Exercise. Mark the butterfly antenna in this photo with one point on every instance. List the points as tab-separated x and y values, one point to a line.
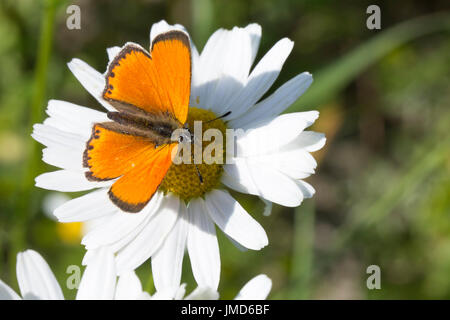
199	174
222	116
196	167
200	177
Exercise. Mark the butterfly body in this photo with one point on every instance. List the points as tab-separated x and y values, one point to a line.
158	128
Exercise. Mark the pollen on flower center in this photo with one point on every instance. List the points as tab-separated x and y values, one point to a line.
183	179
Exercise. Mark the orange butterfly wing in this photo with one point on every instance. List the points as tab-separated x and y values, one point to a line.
160	82
139	82
136	162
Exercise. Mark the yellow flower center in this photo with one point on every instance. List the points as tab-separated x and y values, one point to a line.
183	179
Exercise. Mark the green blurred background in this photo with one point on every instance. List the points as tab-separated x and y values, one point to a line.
383	180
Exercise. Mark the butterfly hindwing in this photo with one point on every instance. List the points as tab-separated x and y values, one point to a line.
135	188
138	164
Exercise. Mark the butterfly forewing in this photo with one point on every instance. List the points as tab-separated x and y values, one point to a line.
160	82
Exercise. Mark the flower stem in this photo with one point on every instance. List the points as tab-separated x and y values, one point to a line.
303	251
26	197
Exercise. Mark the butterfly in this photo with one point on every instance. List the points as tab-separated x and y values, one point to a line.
150	92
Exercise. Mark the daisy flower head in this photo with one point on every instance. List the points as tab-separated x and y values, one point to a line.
35	278
258	288
150	207
37	281
100	282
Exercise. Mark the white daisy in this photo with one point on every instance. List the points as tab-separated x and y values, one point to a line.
100	282
37	281
129	287
258	288
272	157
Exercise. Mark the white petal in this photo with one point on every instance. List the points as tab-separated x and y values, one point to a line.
99	278
151	237
307	189
179	295
162	27
6	293
64	149
112	52
237	177
202	246
168	260
68	181
267	182
92	80
224	63
203	293
276	103
297	163
129	287
54	137
272	135
233	183
267	207
236	244
261	78
163	295
121	225
254	31
309	140
235	60
53	200
145	296
64	158
90	206
89	225
135	227
73	118
195	56
257	288
88	257
207	70
196	91
36	279
232	219
276	186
